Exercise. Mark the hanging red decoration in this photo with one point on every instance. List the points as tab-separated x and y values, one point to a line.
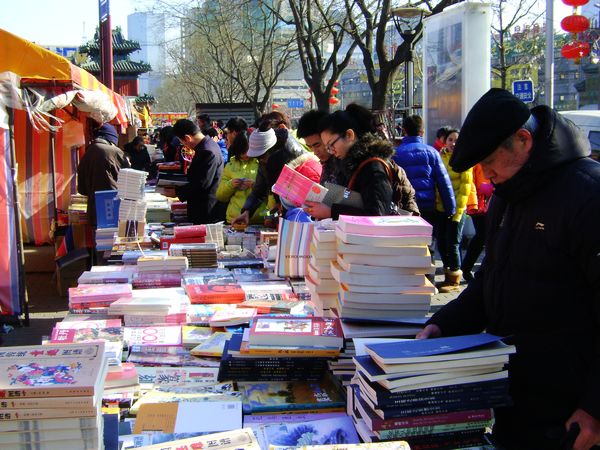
334	90
333	101
575	3
274	106
575	23
575	50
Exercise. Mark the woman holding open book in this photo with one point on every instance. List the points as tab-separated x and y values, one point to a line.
238	179
351	137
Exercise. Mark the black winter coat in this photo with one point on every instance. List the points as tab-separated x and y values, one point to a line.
204	175
540	284
372	181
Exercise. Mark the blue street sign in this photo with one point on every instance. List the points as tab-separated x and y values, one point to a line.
523	89
104	9
295	103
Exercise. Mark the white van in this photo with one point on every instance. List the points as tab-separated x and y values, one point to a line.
589	122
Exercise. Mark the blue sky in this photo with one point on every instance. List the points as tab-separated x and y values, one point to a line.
62	22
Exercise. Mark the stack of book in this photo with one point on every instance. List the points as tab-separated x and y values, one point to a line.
96	298
179	212
110	331
198	255
381	267
159	271
154	340
105	238
152	306
151	280
107	276
281	348
322	286
132	210
158	209
190	234
130	184
51	396
78	209
430	391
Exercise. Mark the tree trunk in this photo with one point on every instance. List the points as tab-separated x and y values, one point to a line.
322	101
380	89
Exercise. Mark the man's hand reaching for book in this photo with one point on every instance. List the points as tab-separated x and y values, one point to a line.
589	430
430	331
318	210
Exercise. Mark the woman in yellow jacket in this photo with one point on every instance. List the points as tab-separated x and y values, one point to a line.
237	180
449	229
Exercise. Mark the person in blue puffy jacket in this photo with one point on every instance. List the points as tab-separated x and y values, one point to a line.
425	170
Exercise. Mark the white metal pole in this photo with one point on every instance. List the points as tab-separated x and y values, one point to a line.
549	80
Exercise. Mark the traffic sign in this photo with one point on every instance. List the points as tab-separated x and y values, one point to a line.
523	89
295	103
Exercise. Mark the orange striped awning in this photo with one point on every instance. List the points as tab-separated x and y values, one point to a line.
38	66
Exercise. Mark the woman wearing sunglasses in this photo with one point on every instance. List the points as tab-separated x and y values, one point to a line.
351	137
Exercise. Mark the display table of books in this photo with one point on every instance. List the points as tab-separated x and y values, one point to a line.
192	347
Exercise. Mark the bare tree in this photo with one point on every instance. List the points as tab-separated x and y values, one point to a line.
512	47
369	22
246	43
322	43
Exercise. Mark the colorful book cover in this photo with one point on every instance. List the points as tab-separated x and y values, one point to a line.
228	440
55	370
194	335
88	324
288	436
91	292
296	188
172	394
238	316
190	231
177	376
215	293
282	396
296	331
112	336
201	313
384	225
167	335
439	349
213	346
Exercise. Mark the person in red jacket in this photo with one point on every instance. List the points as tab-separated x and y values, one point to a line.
484	190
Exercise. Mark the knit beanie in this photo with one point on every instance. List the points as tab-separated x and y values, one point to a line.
261	141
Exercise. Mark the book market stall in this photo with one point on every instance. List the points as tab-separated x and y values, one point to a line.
46	107
206	342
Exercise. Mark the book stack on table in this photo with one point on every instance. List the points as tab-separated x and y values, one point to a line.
51	396
158	209
96	298
132	209
198	255
381	266
111	274
189	234
434	391
277	348
179	212
319	280
159	271
152	306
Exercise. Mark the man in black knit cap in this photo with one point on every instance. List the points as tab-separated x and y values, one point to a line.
539	284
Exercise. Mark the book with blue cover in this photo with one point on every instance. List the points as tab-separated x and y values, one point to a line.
288	436
439	349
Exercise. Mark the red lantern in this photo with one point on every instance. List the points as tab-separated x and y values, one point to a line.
575	3
575	50
333	101
274	106
334	90
575	23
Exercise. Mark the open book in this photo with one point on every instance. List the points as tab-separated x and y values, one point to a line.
297	189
